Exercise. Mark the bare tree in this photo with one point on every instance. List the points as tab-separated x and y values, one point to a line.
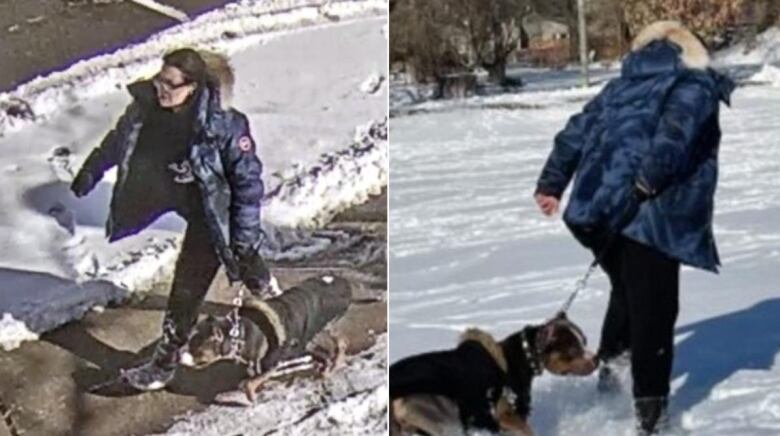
421	37
707	18
492	29
437	37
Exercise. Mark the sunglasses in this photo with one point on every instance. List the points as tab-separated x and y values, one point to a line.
167	85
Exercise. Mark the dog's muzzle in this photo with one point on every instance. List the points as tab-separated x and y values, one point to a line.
187	360
269	290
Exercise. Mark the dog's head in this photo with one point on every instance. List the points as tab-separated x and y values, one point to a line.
207	343
563	348
268	289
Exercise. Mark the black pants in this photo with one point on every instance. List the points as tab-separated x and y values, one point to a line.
196	268
642	312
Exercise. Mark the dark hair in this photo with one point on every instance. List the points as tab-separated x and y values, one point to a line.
189	62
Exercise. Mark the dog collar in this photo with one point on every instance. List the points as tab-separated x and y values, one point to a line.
532	354
235	345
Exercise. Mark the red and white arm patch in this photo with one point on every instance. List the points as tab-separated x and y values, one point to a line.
246	144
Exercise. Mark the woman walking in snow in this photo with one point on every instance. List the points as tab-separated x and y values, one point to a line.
178	148
643	155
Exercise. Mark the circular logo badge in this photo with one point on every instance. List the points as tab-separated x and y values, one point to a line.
245	144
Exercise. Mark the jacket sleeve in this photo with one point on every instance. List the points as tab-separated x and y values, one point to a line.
109	152
565	156
685	112
243	170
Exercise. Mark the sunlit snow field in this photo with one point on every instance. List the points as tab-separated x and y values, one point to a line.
469	247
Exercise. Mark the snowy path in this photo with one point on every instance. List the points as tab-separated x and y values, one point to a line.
55	263
470	248
352	401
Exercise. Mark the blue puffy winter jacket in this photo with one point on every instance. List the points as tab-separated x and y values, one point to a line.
223	161
655	126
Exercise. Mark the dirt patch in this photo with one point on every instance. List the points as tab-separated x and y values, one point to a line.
8	428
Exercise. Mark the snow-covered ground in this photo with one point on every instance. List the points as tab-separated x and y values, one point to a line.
765	50
469	247
404	94
351	401
310	76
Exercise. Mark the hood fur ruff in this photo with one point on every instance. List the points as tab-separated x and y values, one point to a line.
221	73
694	55
489	343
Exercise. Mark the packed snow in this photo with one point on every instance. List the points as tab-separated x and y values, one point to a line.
351	401
470	248
300	66
769	74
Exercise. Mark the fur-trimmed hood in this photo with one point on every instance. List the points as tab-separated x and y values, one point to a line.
489	343
693	53
221	73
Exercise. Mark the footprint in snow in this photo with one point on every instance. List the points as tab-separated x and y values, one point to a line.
65	217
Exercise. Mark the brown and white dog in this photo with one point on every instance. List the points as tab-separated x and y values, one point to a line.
484	383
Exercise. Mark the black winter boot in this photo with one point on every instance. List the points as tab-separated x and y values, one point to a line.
158	372
150	376
651	415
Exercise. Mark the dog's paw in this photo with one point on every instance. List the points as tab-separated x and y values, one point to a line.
342	344
328	362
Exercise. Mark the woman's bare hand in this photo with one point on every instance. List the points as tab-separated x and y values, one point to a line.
547	203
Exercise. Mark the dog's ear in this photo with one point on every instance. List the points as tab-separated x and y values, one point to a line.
549	336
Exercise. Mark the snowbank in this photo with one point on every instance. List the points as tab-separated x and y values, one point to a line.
14	332
310	197
765	51
769	74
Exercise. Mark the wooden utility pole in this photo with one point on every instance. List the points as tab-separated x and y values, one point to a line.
583	40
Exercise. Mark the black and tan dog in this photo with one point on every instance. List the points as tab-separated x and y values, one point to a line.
274	331
483	383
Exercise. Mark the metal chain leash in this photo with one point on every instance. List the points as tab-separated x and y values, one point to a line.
579	286
583	282
236	342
